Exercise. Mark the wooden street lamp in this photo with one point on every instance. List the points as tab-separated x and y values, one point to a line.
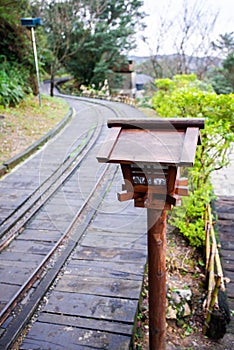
150	153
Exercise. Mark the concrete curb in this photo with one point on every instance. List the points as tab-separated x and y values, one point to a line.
12	162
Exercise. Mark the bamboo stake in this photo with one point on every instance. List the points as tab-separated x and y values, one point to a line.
212	304
207	239
207	246
211	282
213	263
217	257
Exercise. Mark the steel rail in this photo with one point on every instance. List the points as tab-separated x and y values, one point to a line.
59	183
42	194
69	240
41	190
29	202
73	234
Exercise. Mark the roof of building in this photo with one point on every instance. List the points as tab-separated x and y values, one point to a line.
143	79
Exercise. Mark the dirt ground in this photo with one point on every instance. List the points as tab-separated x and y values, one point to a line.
22	125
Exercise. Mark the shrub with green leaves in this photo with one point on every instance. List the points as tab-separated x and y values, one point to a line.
185	96
13	83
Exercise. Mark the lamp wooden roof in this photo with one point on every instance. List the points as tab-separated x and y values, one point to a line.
169	142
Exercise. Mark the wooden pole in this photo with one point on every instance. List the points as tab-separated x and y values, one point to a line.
36	63
157	277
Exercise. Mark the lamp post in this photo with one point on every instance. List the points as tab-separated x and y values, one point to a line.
31	23
151	153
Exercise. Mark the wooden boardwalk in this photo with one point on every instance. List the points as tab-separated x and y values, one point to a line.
225	211
94	301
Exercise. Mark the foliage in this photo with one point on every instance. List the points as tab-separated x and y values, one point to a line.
11	35
219	80
189	218
224	44
222	78
13	42
186	96
13	87
101	52
88	37
15	45
228	66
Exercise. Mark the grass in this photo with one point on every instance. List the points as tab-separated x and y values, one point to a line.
149	112
26	123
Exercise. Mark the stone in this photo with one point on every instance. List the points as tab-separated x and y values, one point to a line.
185	294
187	310
177	303
171	313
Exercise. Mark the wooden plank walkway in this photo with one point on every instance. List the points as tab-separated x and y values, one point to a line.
94	302
225	211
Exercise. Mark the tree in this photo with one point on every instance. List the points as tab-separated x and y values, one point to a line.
59	20
13	43
193	38
17	64
87	36
228	66
220	81
224	44
109	37
222	78
182	39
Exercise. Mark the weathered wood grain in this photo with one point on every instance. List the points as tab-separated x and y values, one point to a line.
179	123
86	323
50	336
95	306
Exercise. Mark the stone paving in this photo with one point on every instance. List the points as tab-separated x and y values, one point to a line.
223	179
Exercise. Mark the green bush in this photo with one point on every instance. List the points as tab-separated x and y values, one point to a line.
186	96
13	83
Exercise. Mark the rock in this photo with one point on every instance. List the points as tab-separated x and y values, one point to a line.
187	310
175	297
171	313
185	293
178	306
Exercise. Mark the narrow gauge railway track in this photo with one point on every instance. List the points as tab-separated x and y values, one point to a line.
11	225
44	274
30	219
14	223
39	199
